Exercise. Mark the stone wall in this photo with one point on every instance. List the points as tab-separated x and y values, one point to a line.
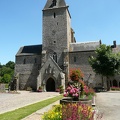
50	70
80	60
27	70
2	87
56	29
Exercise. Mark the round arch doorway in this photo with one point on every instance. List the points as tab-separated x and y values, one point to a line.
50	85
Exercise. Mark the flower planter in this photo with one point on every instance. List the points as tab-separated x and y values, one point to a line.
67	100
74	110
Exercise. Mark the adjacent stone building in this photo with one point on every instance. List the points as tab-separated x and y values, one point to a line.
48	64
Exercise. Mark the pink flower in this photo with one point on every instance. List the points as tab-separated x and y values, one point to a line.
65	95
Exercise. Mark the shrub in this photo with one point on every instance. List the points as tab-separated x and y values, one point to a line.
29	89
61	89
53	114
76	74
115	88
73	111
77	111
88	91
40	89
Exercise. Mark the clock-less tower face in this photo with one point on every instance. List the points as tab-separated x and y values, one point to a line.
56	29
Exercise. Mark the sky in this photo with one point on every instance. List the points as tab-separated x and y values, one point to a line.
21	23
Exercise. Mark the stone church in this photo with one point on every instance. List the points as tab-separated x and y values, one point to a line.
49	63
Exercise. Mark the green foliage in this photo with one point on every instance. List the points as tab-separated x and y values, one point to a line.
106	62
0	79
10	64
6	72
70	111
53	114
0	65
61	89
29	89
6	78
115	88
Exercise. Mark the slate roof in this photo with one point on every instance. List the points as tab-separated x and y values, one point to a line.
85	46
30	50
59	3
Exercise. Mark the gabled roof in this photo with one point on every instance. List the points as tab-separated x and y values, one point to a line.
54	4
85	46
50	61
30	50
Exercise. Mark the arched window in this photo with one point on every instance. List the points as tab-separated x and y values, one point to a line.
54	14
54	2
24	61
74	58
55	57
115	83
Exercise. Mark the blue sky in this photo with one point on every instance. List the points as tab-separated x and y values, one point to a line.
21	23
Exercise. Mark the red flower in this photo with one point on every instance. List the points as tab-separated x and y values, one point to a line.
76	74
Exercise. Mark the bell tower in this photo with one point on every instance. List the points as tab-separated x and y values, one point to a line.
56	33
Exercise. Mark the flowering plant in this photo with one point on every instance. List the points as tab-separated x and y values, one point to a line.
53	114
88	91
72	92
76	74
74	86
77	111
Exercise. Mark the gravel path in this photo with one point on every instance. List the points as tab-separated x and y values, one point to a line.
10	101
108	104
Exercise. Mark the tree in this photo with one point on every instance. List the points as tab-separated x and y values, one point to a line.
6	72
106	63
6	78
10	64
0	65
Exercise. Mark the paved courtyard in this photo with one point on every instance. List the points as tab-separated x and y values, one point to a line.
108	103
10	102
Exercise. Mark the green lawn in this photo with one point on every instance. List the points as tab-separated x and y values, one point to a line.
20	113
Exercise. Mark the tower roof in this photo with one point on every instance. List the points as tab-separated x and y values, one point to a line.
54	4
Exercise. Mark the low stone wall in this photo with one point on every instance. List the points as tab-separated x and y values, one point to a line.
2	87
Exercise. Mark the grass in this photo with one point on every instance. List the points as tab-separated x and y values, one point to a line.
21	113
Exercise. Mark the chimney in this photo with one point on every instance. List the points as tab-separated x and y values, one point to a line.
114	43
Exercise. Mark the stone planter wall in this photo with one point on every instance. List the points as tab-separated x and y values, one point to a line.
69	100
71	112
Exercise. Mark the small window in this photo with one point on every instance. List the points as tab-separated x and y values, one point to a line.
54	15
54	42
35	60
57	23
54	2
75	59
24	61
55	57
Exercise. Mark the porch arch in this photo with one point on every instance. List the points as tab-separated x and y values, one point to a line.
50	85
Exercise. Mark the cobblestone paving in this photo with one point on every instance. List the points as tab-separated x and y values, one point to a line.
10	101
108	104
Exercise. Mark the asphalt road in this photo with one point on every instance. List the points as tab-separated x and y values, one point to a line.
108	105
